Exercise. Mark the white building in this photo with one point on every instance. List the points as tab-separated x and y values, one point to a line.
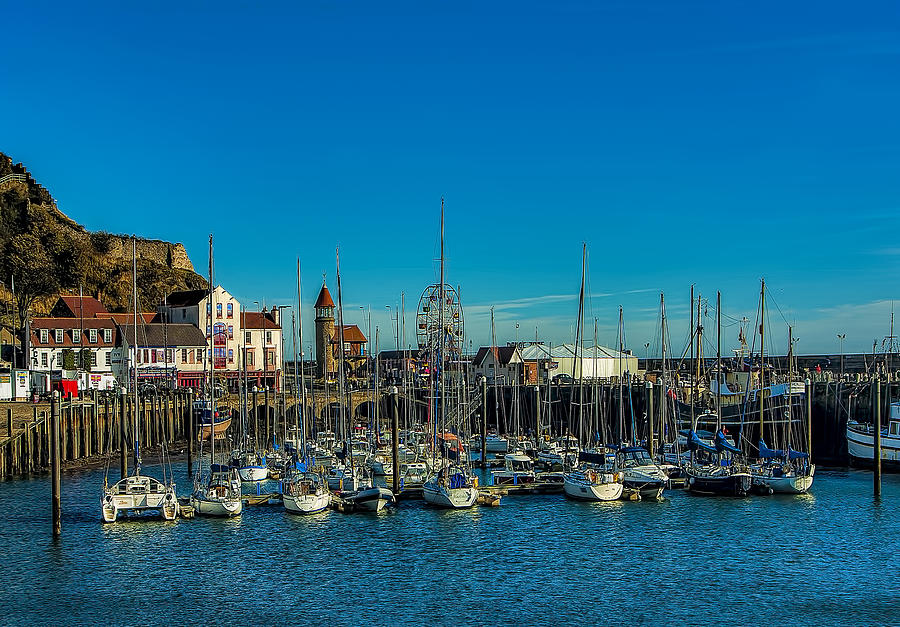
502	364
73	337
166	353
594	362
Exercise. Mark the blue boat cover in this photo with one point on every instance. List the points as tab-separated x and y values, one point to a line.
723	445
592	458
694	443
767	453
457	480
219	468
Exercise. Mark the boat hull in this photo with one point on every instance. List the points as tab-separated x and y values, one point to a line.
222	508
449	498
253	474
861	448
738	484
372	499
138	496
307	503
791	484
585	490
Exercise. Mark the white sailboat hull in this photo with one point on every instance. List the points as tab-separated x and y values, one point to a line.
793	484
215	506
449	498
252	474
307	503
584	490
372	499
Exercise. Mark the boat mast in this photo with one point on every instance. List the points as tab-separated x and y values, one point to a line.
442	332
341	386
664	400
693	424
137	431
718	361
579	338
299	357
621	426
212	363
762	352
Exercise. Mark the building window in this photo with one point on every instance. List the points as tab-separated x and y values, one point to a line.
218	310
199	355
107	336
230	355
247	338
268	337
153	356
230	310
43	360
92	335
184	355
59	335
270	357
208	309
170	355
93	358
45	336
108	358
208	330
146	356
76	336
230	332
249	358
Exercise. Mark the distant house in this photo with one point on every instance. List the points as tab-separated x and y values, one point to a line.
598	361
393	363
74	336
171	353
501	364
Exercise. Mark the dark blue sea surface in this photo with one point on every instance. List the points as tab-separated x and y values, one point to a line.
829	557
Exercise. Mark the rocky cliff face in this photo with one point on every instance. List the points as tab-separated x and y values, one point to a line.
43	251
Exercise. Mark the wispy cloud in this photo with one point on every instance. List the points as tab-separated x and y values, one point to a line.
519	303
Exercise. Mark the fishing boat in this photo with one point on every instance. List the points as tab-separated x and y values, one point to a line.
136	494
219	493
304	493
210	421
861	441
251	466
370	499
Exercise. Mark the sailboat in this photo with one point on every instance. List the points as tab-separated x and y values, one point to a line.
220	493
712	470
784	471
592	479
303	491
137	494
250	463
452	487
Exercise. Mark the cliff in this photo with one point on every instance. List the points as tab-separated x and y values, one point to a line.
45	252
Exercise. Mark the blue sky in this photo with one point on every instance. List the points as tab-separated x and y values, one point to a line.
685	143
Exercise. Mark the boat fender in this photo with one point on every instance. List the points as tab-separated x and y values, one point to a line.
475	482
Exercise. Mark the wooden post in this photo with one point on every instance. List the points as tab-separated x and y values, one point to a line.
123	458
56	507
395	438
9	447
809	393
266	428
484	407
190	433
255	417
876	460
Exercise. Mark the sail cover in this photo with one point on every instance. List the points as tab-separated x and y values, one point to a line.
695	443
722	444
767	453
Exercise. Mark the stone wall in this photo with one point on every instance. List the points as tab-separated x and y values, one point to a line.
164	253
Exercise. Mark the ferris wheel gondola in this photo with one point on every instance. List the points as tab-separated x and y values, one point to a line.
439	321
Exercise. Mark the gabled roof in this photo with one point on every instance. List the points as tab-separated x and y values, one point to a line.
324	299
67	324
352	334
188	298
158	335
258	320
75	306
503	354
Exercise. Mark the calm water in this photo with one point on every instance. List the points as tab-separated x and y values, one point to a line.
825	558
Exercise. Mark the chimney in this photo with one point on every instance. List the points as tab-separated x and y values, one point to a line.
275	312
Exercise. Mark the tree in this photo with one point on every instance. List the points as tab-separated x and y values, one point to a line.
31	269
68	359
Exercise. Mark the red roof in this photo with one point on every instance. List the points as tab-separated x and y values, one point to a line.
128	318
324	299
257	320
352	334
76	306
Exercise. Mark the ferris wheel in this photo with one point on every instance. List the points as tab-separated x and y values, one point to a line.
439	321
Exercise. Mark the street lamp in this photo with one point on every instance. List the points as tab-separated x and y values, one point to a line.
841	337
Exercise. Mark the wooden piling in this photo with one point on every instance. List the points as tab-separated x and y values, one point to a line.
56	507
809	394
123	459
876	460
395	438
484	423
190	432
